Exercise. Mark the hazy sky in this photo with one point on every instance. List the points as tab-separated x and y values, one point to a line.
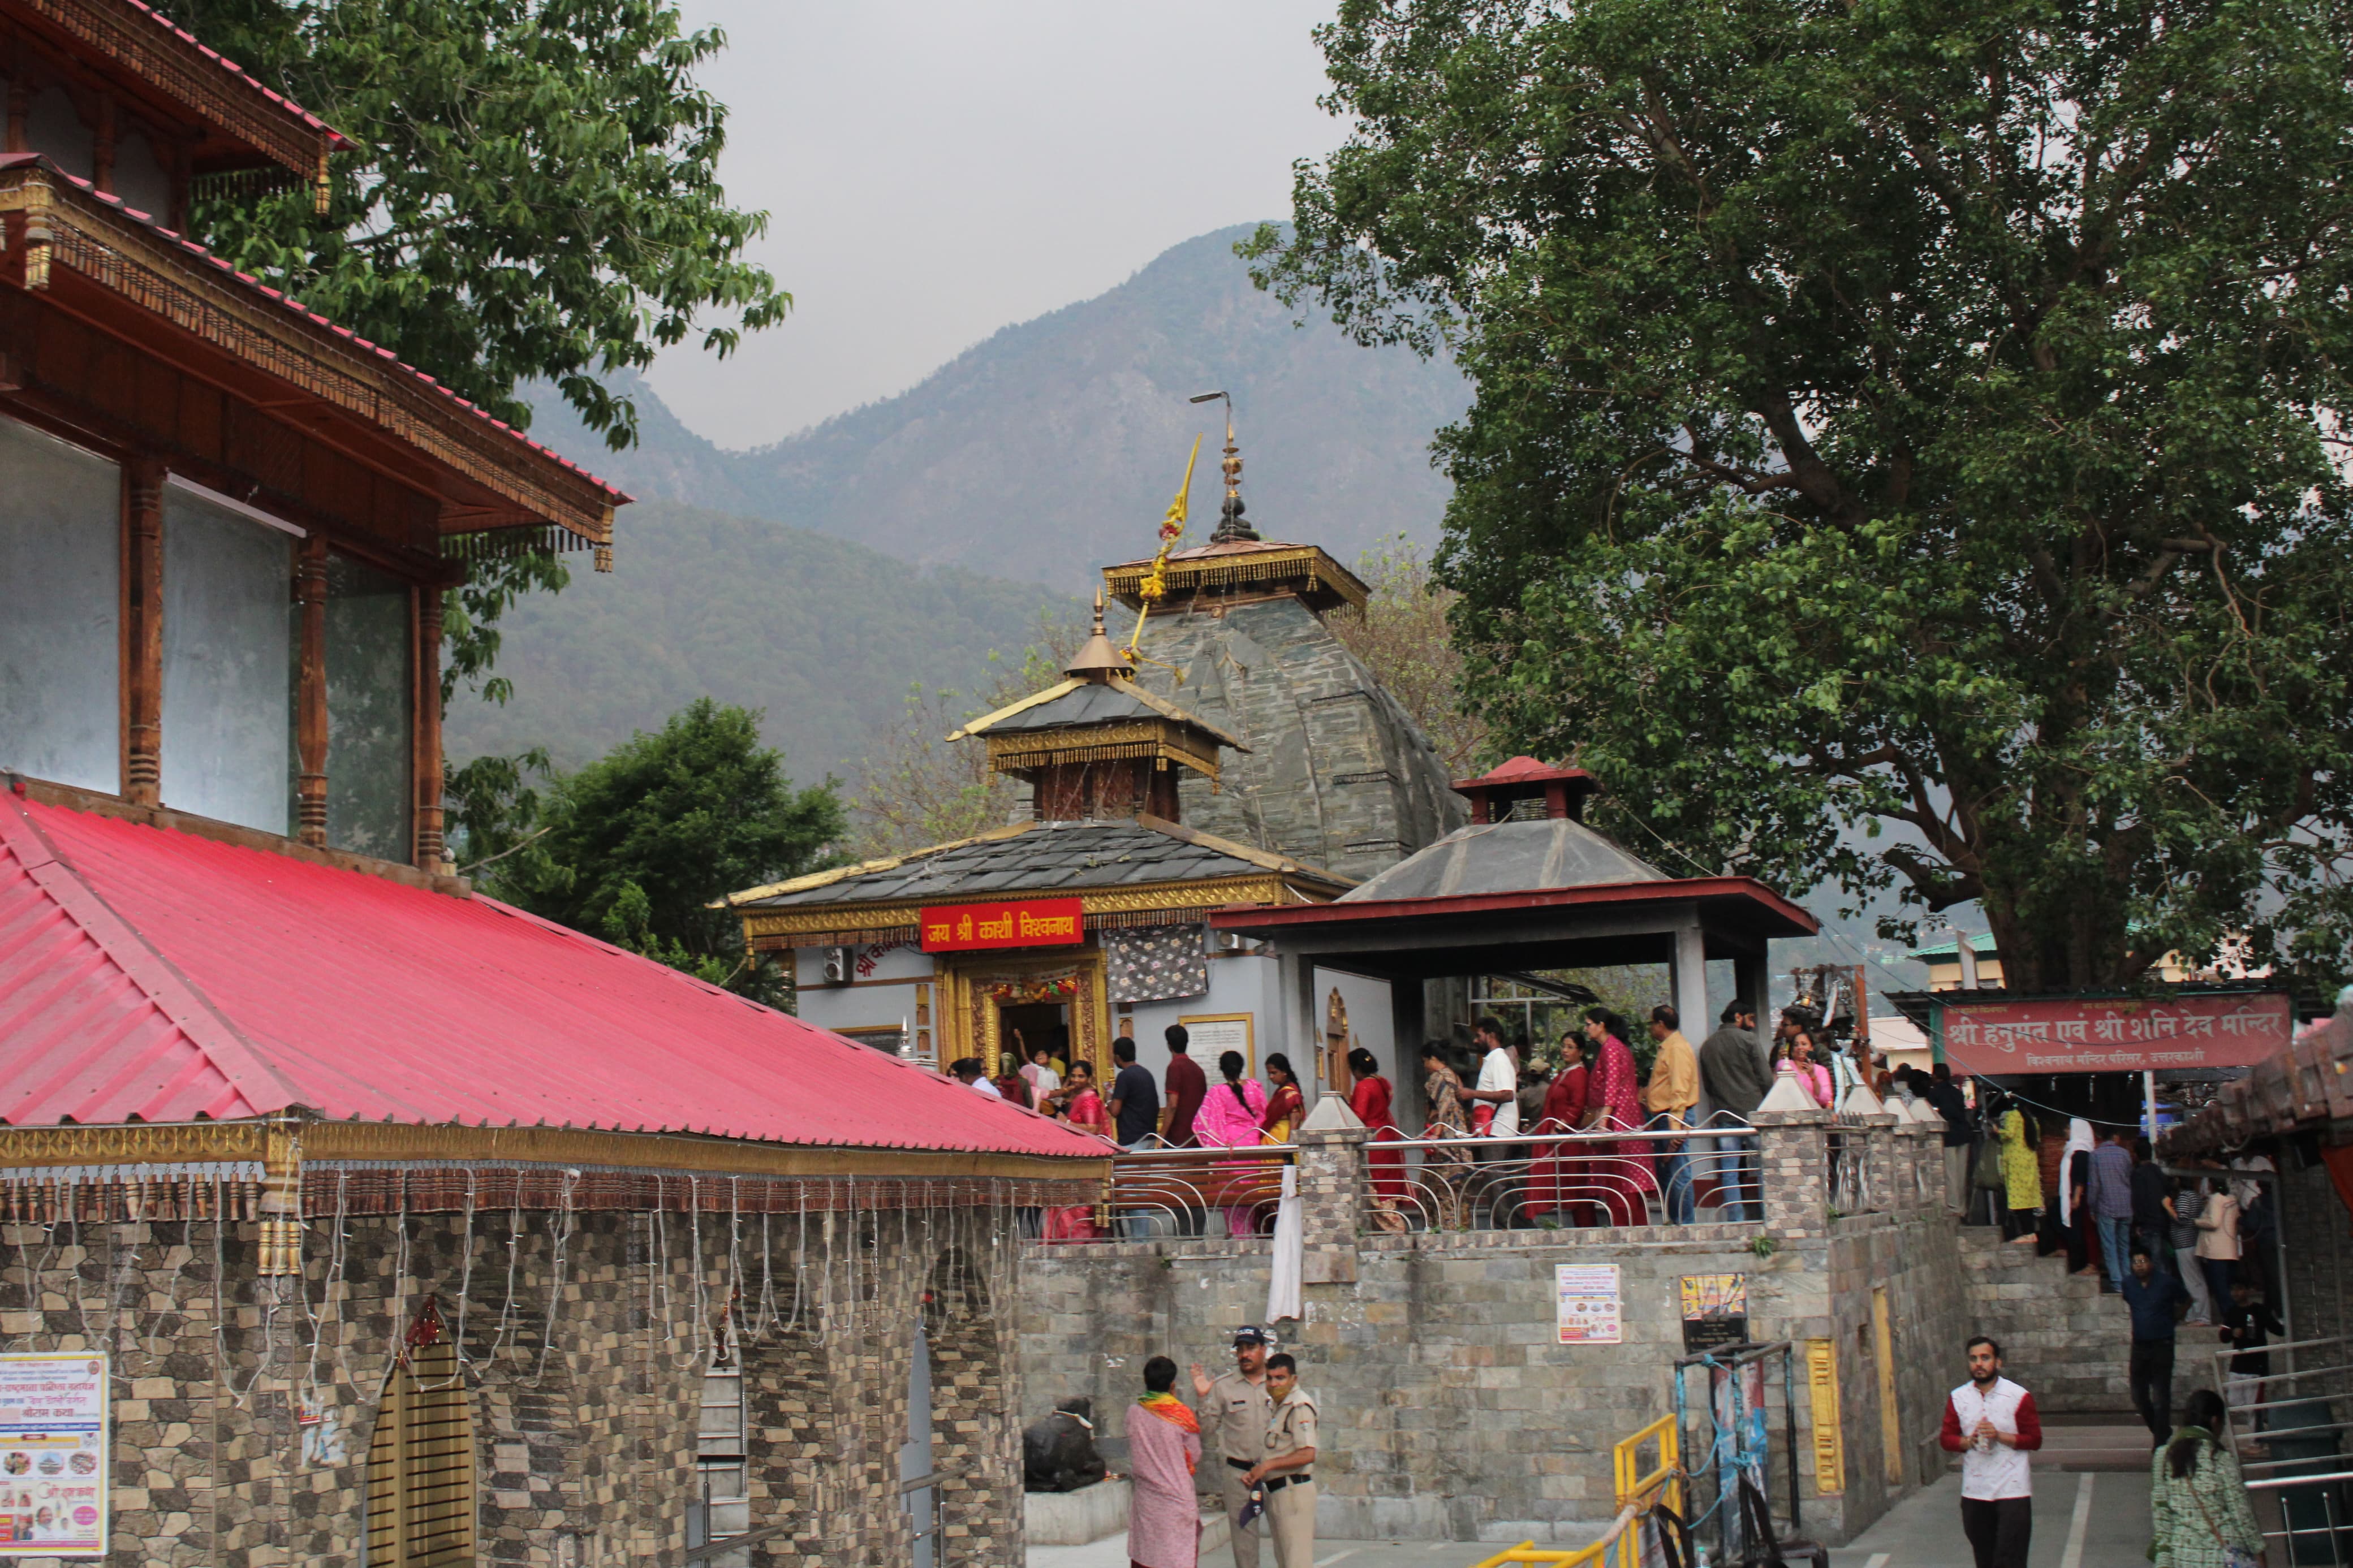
935	169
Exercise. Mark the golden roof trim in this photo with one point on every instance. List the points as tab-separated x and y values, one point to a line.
1156	737
973	727
1210	893
139	264
1311	562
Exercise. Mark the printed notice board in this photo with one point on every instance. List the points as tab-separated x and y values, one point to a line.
1714	1310
1586	1294
53	1411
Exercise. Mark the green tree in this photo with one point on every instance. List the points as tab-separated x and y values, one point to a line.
531	191
635	847
1905	449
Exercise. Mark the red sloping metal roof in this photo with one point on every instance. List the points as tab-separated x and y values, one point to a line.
277	100
150	973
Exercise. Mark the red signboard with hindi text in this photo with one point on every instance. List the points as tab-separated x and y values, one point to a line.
2114	1034
1033	923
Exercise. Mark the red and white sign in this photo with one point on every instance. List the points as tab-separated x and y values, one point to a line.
2114	1033
1033	922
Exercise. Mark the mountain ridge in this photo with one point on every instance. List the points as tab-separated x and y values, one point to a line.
1050	447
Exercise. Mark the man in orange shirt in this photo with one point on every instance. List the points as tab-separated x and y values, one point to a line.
1672	1094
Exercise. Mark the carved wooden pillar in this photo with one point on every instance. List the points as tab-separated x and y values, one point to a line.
310	691
427	768
143	625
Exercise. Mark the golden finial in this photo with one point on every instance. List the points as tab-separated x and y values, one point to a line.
1097	659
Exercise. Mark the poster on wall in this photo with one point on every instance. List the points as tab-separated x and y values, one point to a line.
1211	1034
1714	1310
1587	1296
53	1409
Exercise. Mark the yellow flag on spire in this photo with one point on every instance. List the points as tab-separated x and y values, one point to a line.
1155	585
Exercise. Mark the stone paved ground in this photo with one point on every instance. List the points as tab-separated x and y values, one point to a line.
1923	1531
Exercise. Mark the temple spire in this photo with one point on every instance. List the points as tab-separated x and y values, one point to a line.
1231	527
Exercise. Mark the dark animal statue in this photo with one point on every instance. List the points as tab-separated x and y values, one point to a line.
1058	1454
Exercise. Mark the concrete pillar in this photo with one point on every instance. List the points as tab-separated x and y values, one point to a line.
1302	1030
1796	1156
1688	981
1332	1191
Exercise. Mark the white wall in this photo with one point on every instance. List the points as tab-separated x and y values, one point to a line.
886	997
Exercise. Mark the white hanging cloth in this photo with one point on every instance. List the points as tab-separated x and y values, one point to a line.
1282	1293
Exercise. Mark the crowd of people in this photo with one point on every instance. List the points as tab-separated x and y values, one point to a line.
1255	1430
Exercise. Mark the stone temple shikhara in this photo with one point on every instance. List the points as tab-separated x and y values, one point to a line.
346	1216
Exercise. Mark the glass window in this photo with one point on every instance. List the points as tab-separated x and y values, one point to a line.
60	611
367	709
228	677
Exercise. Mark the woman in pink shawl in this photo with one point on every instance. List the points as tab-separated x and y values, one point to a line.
1613	1101
1229	1119
1163	1451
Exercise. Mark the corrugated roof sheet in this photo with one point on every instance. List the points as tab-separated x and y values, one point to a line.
152	973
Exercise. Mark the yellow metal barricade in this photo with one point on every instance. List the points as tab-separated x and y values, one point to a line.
1620	1546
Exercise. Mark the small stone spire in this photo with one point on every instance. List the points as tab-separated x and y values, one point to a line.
1231	524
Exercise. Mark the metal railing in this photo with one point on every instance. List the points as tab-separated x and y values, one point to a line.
2299	1416
1558	1180
1639	1493
1162	1194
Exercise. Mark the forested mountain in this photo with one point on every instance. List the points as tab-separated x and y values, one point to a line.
824	635
1053	446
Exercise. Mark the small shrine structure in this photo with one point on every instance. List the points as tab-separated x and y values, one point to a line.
1087	921
1526	886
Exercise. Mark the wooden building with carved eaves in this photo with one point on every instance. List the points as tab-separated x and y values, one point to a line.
352	1216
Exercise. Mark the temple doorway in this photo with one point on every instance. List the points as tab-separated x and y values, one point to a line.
1039	1023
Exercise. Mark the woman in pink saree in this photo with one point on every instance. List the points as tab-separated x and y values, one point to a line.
1613	1103
1229	1117
1164	1452
1082	1108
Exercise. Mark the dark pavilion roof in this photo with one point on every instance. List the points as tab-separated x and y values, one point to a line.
1527	855
1077	702
1039	857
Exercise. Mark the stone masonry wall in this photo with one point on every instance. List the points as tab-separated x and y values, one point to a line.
1337	775
1449	1408
245	1407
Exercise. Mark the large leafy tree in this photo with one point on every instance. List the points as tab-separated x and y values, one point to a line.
636	846
531	192
1907	435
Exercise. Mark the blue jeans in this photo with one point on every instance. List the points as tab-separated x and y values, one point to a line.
1674	1175
2115	1246
1737	1162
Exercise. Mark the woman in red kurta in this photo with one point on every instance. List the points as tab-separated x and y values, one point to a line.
1284	1107
1613	1103
1371	1103
1555	1187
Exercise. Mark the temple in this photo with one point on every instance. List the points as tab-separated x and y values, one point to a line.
1336	772
1086	922
347	1216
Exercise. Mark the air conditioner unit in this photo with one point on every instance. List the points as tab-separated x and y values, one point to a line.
836	966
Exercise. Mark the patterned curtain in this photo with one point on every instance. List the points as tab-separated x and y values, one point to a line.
1157	964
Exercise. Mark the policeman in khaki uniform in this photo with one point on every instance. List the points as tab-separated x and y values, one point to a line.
1284	1472
1233	1413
